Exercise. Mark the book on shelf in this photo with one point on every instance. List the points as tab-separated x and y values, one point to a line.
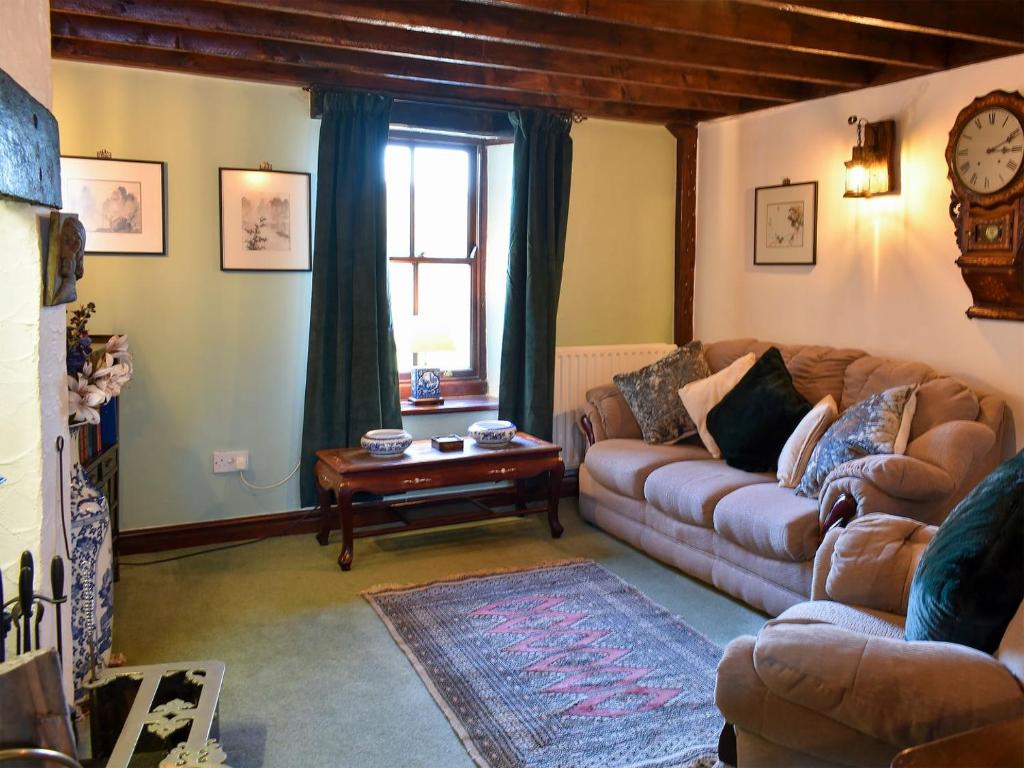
94	439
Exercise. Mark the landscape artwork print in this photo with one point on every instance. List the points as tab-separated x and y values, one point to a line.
785	223
119	202
265	223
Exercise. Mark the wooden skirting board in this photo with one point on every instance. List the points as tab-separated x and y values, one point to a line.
143	540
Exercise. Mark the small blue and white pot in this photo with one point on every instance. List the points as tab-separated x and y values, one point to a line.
492	433
383	443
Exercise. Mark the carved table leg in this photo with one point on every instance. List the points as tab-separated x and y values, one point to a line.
323	497
344	496
554	494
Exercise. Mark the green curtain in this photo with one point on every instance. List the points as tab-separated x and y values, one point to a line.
352	368
542	170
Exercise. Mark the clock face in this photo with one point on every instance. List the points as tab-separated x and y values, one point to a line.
989	151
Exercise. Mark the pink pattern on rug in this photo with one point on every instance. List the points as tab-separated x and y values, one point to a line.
590	670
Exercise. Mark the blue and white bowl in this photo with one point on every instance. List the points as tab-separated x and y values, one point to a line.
492	433
383	443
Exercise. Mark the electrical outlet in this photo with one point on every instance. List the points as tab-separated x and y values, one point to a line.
229	461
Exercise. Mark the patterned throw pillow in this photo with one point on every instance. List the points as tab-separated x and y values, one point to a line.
877	424
651	393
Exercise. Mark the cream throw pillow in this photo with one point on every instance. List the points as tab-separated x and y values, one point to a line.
797	450
700	396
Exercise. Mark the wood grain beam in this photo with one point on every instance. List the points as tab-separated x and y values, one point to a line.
767	25
548	31
686	229
291	74
276	25
1000	22
282	52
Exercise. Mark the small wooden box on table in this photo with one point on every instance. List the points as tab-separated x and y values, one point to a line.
343	472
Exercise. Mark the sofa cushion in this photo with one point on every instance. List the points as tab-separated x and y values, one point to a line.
817	370
702	395
970	580
651	393
796	452
941	400
753	421
689	490
854	618
623	466
771	521
879	424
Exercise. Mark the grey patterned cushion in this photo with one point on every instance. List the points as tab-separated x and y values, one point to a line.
652	393
877	424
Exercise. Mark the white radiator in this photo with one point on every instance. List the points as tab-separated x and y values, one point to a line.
578	369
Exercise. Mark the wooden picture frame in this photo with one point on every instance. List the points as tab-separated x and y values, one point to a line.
265	221
786	224
121	203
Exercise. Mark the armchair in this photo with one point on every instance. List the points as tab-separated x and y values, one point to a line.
832	682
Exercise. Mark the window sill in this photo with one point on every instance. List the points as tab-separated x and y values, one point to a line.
463	404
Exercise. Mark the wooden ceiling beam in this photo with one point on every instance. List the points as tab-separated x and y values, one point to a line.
769	25
281	52
999	22
269	24
547	31
292	74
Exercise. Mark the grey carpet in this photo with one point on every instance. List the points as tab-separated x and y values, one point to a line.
313	677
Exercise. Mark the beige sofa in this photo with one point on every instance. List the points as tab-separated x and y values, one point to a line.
740	531
832	682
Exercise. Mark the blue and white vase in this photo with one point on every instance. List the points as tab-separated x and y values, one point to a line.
383	443
425	383
492	433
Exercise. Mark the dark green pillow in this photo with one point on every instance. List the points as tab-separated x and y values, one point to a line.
970	580
754	420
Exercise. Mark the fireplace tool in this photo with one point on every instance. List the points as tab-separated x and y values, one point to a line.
27	608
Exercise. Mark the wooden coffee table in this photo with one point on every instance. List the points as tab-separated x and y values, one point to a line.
343	472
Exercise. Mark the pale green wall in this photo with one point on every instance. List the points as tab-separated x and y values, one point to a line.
220	357
619	255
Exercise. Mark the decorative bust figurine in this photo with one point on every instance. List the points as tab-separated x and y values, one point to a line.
65	259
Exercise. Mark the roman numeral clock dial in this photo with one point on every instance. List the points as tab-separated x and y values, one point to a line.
990	151
985	156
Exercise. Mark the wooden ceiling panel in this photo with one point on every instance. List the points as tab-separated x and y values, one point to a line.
649	60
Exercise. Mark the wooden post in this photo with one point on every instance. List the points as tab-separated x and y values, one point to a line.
686	229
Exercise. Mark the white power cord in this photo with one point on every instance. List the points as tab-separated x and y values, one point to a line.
278	484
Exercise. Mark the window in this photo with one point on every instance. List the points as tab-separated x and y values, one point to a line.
436	258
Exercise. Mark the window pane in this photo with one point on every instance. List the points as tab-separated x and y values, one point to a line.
400	286
397	169
442	202
445	314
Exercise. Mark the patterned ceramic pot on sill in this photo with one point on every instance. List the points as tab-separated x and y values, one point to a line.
383	443
492	433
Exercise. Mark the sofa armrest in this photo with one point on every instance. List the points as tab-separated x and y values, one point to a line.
823	563
608	414
871	562
920	484
899	692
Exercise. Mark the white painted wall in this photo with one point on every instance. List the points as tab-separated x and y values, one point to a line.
33	393
885	279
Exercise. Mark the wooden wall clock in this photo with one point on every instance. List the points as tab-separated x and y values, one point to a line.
985	155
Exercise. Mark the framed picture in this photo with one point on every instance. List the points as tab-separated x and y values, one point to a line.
264	221
120	203
786	224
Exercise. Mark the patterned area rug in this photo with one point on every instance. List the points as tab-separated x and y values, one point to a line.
559	666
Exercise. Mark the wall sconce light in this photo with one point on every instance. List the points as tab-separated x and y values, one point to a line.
872	168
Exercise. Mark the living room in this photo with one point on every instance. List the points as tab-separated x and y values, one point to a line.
671	207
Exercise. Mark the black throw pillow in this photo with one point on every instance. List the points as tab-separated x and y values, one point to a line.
970	580
752	423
